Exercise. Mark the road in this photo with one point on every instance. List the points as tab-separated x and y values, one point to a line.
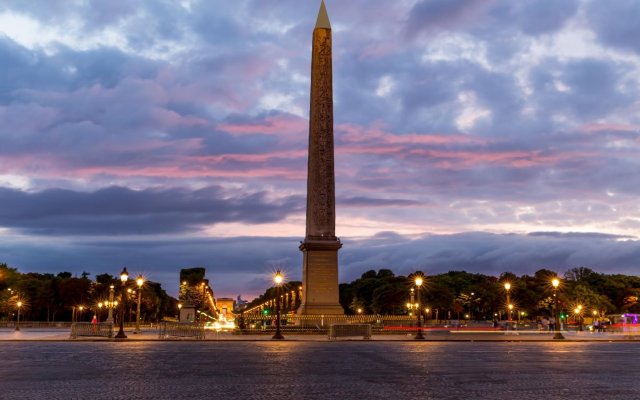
319	370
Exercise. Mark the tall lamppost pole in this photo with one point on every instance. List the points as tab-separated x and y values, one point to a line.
418	281
19	304
124	276
278	278
139	282
507	288
110	306
578	312
179	310
557	334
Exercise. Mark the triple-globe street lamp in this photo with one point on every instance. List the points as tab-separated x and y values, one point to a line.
124	276
110	304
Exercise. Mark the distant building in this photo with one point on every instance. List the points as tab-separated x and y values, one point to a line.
226	306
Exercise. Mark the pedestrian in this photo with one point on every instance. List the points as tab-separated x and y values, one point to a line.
552	324
94	323
545	324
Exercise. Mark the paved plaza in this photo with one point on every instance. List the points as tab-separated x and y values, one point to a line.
318	370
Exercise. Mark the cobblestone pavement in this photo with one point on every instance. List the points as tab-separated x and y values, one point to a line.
319	370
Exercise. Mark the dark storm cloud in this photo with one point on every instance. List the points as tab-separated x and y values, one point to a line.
361	201
233	269
492	254
117	210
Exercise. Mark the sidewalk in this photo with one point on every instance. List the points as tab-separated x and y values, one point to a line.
62	334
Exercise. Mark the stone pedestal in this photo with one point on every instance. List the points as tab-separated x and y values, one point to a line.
320	295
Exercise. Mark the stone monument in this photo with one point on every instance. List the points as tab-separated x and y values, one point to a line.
320	247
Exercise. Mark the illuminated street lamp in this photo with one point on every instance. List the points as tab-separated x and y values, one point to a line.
19	304
278	278
179	310
124	276
578	312
139	282
507	288
555	283
100	305
418	281
110	305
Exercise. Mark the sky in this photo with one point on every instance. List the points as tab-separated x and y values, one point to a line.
478	135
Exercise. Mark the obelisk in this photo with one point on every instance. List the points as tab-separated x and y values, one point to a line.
320	246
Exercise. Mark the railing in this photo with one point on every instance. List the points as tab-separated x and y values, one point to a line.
185	330
349	330
102	329
35	324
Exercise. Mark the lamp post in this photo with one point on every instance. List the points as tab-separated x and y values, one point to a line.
507	288
79	316
100	304
110	306
139	282
418	281
578	312
124	276
428	318
19	304
594	324
179	310
278	278
557	334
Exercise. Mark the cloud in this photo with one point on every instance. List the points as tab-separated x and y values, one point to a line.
616	23
226	260
118	211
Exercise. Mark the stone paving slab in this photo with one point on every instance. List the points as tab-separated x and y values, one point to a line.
313	370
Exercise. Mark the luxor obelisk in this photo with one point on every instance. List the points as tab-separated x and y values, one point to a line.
320	246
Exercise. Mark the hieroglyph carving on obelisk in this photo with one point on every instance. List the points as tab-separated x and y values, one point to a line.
320	247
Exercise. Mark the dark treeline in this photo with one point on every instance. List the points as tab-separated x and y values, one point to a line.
49	297
456	294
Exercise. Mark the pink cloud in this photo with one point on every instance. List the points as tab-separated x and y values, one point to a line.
609	127
280	125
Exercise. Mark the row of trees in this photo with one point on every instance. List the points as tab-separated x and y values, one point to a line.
49	297
481	296
458	294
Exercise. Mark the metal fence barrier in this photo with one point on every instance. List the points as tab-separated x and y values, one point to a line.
185	330
102	329
349	330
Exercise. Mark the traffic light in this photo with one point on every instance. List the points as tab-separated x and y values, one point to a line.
265	311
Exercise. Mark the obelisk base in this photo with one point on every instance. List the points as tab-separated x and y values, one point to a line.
320	294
